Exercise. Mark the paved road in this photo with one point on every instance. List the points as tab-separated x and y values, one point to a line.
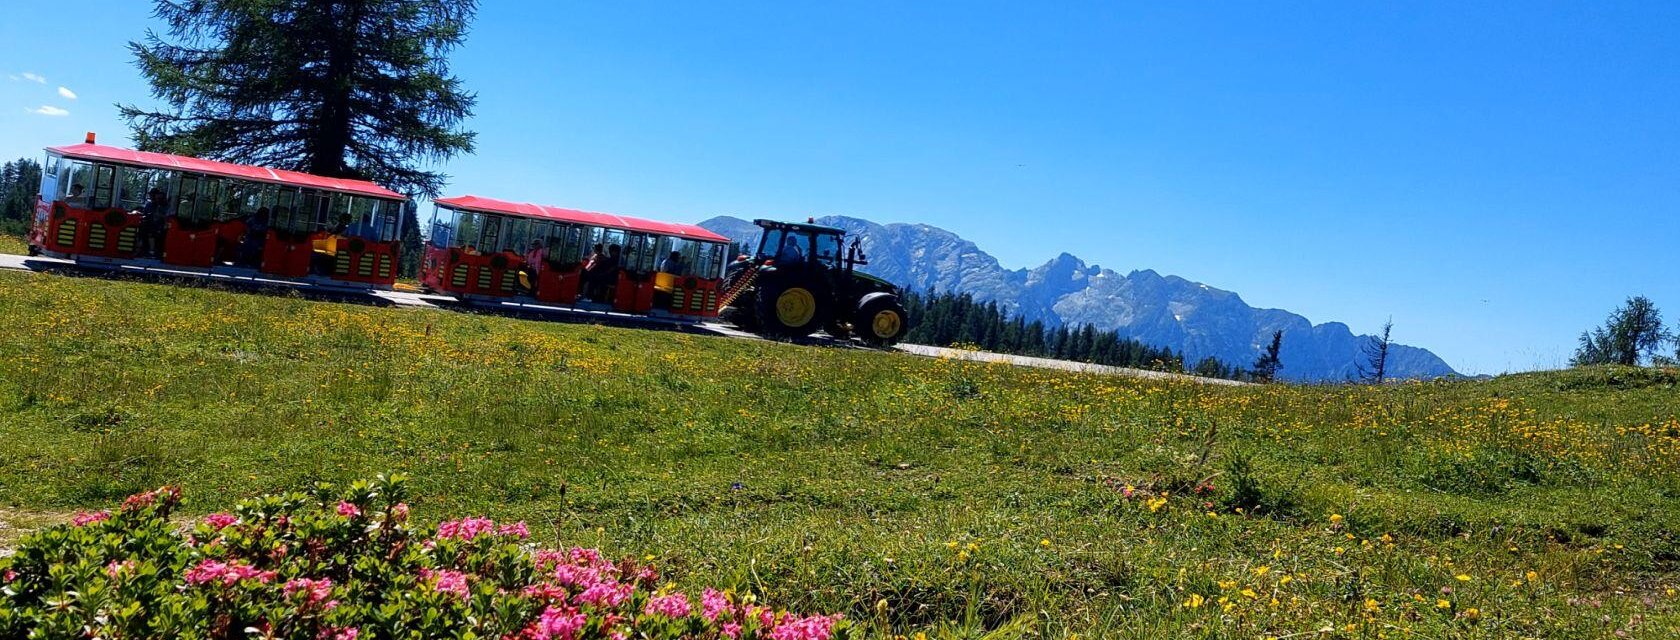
409	299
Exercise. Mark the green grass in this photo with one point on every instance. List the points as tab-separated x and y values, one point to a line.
911	494
13	244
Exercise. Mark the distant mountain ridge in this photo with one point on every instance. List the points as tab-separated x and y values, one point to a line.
1168	311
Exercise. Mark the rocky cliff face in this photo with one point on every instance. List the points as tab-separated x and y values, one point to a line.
1170	311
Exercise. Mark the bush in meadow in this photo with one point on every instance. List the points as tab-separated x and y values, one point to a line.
346	565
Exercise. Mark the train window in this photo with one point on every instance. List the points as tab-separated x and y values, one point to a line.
104	187
515	232
339	217
441	231
51	167
73	189
234	198
363	221
565	246
638	253
186	197
137	183
393	213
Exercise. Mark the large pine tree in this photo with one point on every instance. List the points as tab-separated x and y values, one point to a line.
341	88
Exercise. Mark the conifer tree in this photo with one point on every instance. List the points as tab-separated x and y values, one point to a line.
339	88
1266	367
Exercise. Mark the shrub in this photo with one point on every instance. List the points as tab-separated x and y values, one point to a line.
341	565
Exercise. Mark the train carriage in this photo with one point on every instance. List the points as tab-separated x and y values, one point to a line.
482	248
103	204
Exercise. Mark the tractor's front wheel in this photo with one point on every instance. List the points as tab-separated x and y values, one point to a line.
880	321
793	310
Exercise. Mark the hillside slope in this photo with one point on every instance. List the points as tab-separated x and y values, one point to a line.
1168	311
912	494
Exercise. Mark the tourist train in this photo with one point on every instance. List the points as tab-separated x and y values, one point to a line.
116	208
106	206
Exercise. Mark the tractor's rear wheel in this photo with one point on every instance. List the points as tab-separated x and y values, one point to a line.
881	321
793	310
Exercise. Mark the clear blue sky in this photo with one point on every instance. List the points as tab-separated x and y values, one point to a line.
1494	176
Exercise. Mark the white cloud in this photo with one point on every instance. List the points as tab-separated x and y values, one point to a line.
67	93
34	77
49	110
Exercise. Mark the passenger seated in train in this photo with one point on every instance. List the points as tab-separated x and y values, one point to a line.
674	264
154	222
604	275
256	233
534	257
78	196
364	229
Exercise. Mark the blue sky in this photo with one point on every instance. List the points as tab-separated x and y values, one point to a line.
1494	176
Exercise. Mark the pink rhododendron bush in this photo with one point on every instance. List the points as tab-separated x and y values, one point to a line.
339	565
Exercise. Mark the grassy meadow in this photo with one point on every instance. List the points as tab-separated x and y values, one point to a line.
914	495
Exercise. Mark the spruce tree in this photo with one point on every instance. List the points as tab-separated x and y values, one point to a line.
1266	367
339	88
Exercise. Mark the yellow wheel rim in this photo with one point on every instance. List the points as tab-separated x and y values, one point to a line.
795	307
886	323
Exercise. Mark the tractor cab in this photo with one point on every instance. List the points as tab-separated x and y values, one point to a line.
790	245
803	277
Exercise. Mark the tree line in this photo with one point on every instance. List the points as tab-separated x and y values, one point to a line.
19	180
946	319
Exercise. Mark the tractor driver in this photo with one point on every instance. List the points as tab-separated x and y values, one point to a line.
790	254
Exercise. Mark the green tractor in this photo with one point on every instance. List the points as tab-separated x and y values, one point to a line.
802	278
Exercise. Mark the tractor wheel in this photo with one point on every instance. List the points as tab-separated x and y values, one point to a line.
881	321
793	310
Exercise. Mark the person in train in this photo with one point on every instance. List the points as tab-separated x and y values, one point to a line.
674	264
256	233
534	257
154	222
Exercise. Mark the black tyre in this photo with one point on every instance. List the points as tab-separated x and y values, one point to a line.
793	309
880	321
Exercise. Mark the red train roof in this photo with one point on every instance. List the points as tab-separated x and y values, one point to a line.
491	205
102	153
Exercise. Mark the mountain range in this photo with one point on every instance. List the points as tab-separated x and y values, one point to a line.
1164	311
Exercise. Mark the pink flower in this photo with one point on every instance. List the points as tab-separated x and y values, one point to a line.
517	529
399	511
571	575
558	624
809	628
732	630
713	604
447	581
85	518
219	521
225	573
346	633
115	568
9	576
348	510
671	606
605	594
315	591
465	528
